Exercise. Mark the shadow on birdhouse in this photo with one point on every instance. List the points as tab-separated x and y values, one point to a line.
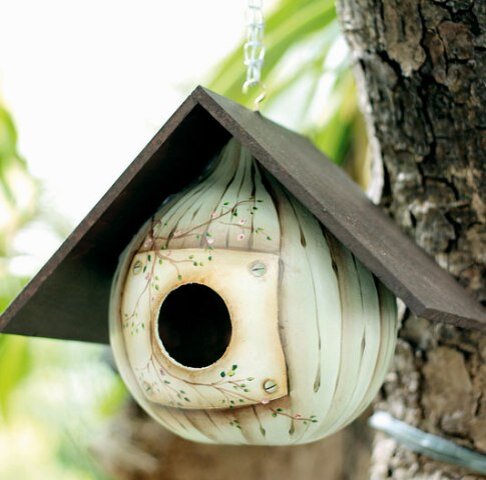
249	283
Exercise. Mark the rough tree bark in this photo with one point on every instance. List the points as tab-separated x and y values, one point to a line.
421	67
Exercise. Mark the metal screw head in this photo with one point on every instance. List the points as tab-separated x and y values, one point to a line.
270	386
137	267
258	268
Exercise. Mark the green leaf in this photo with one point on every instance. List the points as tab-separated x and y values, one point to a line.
15	362
114	398
288	25
8	135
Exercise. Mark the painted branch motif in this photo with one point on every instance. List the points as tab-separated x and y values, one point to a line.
153	377
236	392
155	242
156	245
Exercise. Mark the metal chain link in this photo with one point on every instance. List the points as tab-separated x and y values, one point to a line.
254	50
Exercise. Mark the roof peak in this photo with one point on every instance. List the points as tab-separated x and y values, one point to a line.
69	297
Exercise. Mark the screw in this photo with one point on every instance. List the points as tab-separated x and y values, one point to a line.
258	269
270	386
137	267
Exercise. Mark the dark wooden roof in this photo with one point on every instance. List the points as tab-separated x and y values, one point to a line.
68	298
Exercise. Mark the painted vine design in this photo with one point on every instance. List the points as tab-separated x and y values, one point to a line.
155	242
157	246
236	392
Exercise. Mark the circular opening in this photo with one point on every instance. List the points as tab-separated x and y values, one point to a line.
194	325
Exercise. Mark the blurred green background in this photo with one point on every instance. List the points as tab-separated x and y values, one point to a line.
55	397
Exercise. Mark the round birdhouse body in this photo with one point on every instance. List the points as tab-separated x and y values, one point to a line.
236	318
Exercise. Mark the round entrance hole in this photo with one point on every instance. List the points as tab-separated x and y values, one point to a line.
194	325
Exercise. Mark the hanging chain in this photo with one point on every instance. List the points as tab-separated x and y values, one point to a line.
254	50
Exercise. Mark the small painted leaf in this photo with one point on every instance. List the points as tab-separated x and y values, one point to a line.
223	374
234	367
274	414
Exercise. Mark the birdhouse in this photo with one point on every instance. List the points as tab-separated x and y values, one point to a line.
237	318
249	284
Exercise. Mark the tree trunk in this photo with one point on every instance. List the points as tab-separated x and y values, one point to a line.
420	66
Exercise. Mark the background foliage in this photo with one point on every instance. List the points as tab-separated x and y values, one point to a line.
309	83
49	416
45	417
